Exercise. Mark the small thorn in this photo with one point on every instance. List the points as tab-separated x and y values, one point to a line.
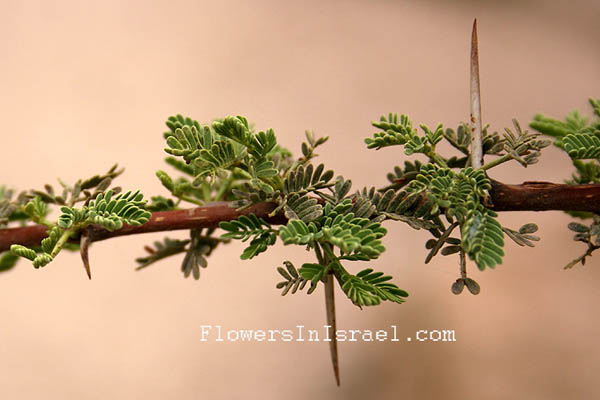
83	250
331	322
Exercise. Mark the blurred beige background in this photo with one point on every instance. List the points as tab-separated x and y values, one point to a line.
85	84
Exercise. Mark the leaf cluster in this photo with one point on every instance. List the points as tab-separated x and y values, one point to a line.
197	248
34	204
483	238
521	146
369	288
579	137
293	281
523	237
396	132
461	138
107	211
338	227
454	193
588	234
49	248
250	226
83	190
420	194
308	147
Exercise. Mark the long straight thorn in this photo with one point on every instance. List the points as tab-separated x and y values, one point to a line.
331	323
476	131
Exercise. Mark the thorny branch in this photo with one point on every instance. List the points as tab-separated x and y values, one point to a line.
528	196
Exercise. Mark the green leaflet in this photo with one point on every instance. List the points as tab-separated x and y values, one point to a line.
36	209
461	140
450	190
220	154
258	245
574	123
307	179
312	272
187	142
107	211
368	288
160	203
262	171
298	232
393	133
349	233
402	133
295	280
215	160
402	176
245	227
237	129
179	165
308	147
414	209
580	138
179	121
50	242
49	249
302	207
250	226
354	235
483	238
263	143
166	180
581	146
71	216
8	261
22	251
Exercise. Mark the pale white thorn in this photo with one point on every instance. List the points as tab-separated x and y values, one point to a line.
476	129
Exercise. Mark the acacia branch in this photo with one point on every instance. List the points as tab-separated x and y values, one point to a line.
207	216
528	196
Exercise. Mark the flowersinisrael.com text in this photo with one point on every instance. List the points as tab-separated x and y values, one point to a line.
302	334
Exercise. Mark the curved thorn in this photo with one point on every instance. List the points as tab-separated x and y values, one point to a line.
83	250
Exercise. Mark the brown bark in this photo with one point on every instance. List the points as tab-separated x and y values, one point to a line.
544	196
528	196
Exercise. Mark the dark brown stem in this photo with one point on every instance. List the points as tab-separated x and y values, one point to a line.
544	196
207	216
528	196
